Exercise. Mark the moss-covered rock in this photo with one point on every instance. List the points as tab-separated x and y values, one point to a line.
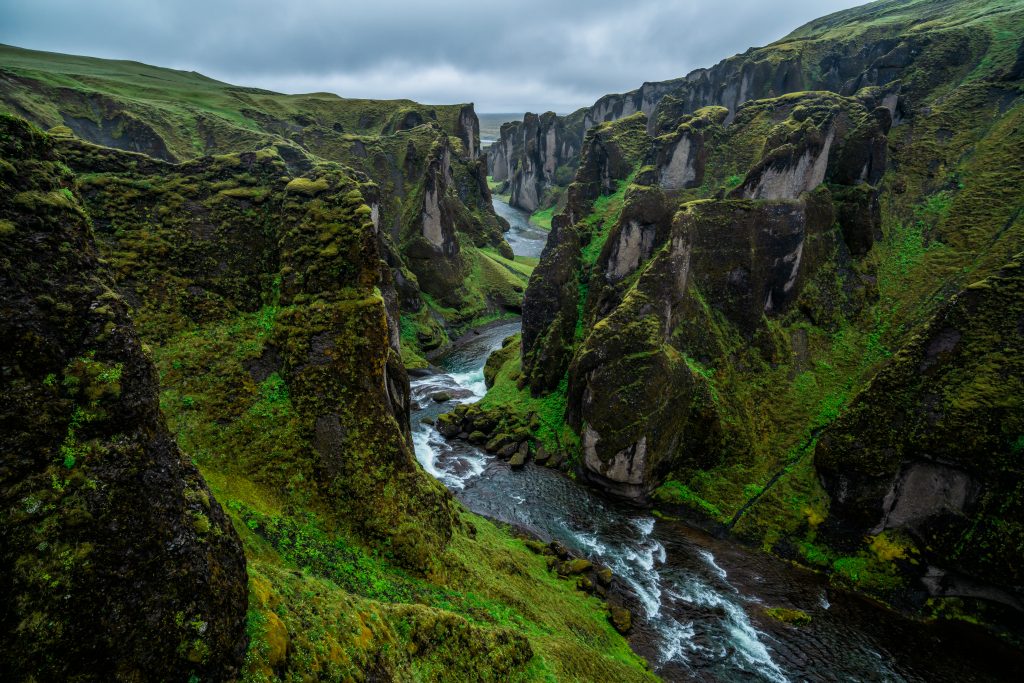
117	561
509	350
788	615
930	447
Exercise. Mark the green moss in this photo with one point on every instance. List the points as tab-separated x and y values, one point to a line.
602	218
255	194
789	616
306	186
516	403
676	493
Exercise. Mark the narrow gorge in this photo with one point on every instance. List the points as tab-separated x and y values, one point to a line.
720	379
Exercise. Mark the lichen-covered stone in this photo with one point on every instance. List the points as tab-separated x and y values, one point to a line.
621	619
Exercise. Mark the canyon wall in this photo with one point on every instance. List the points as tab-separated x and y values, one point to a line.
766	297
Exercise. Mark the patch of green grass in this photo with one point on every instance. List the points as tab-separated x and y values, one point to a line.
542	217
675	492
506	396
602	218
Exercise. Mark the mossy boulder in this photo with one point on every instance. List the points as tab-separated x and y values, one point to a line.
574	566
621	618
789	615
509	350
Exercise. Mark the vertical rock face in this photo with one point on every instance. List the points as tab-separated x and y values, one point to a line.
468	130
680	156
529	153
116	561
644	298
550	310
644	99
311	251
932	445
501	153
806	60
341	360
432	252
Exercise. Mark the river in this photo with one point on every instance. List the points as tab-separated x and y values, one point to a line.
697	601
525	238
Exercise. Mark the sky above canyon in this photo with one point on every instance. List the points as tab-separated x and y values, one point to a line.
525	55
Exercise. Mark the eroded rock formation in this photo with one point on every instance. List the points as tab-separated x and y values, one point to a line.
116	560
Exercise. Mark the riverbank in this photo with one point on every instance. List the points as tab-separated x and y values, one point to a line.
704	607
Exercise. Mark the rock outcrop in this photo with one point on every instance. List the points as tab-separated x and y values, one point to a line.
535	155
312	249
425	162
777	314
810	58
747	259
550	320
116	560
931	446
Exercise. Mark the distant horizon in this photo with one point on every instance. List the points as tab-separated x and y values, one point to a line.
401	50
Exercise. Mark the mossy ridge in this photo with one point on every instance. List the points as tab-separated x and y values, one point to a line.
178	116
284	528
299	271
924	44
192	115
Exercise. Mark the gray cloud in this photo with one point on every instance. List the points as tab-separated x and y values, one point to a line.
509	57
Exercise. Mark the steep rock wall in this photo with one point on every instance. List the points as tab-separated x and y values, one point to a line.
811	58
117	562
202	242
931	446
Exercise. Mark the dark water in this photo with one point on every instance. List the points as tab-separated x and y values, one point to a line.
525	238
699	601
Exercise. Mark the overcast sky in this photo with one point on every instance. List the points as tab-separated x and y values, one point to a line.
513	56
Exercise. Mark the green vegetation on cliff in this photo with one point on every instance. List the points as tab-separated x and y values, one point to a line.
116	560
767	264
430	206
259	292
322	602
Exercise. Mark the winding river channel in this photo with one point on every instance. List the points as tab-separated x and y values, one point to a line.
698	602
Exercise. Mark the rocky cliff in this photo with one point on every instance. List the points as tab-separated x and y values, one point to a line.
431	239
227	235
535	156
278	294
931	446
749	293
117	561
841	53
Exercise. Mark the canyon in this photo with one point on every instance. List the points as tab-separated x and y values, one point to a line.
717	379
